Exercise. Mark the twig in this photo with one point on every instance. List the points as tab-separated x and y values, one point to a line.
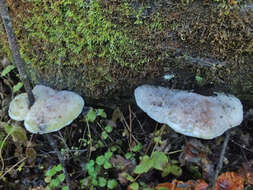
18	61
12	167
60	157
220	164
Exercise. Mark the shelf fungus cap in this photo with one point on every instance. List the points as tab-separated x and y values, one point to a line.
43	92
19	106
189	113
52	114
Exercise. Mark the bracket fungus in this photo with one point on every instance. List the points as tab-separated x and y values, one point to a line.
19	106
51	111
190	113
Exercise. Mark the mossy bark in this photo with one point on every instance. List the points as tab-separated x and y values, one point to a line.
205	47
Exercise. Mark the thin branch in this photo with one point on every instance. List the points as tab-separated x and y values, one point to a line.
60	157
19	62
220	164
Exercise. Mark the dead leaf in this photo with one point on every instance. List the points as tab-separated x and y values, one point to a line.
37	188
122	164
175	185
169	186
198	185
195	152
180	185
117	115
18	133
229	181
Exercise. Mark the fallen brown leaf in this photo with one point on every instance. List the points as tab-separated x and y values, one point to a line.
229	181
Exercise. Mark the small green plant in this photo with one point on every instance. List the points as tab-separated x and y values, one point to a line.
5	72
55	178
158	161
94	113
199	80
98	173
131	155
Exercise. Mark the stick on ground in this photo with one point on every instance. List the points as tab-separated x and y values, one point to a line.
60	157
220	163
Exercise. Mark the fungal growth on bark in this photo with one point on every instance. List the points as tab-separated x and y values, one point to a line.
190	113
51	111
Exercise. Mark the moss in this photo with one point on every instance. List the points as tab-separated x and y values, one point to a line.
75	32
103	48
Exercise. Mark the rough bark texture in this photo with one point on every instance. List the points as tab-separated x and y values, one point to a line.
205	47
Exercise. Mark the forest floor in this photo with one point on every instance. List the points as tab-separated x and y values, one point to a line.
118	149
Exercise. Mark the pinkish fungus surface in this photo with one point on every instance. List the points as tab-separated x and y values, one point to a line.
190	113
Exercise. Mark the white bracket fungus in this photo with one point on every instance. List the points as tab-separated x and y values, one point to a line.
54	113
51	111
19	106
189	113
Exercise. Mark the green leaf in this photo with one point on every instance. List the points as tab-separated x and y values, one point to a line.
54	183
104	135
128	155
17	87
159	160
195	170
100	160
65	188
137	147
51	172
176	170
61	177
112	183
145	165
134	186
108	128
58	168
108	155
18	133
172	169
199	79
101	182
127	176
7	69
113	148
107	165
101	113
91	116
90	167
94	181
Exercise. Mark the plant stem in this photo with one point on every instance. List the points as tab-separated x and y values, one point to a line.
60	157
18	61
220	164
